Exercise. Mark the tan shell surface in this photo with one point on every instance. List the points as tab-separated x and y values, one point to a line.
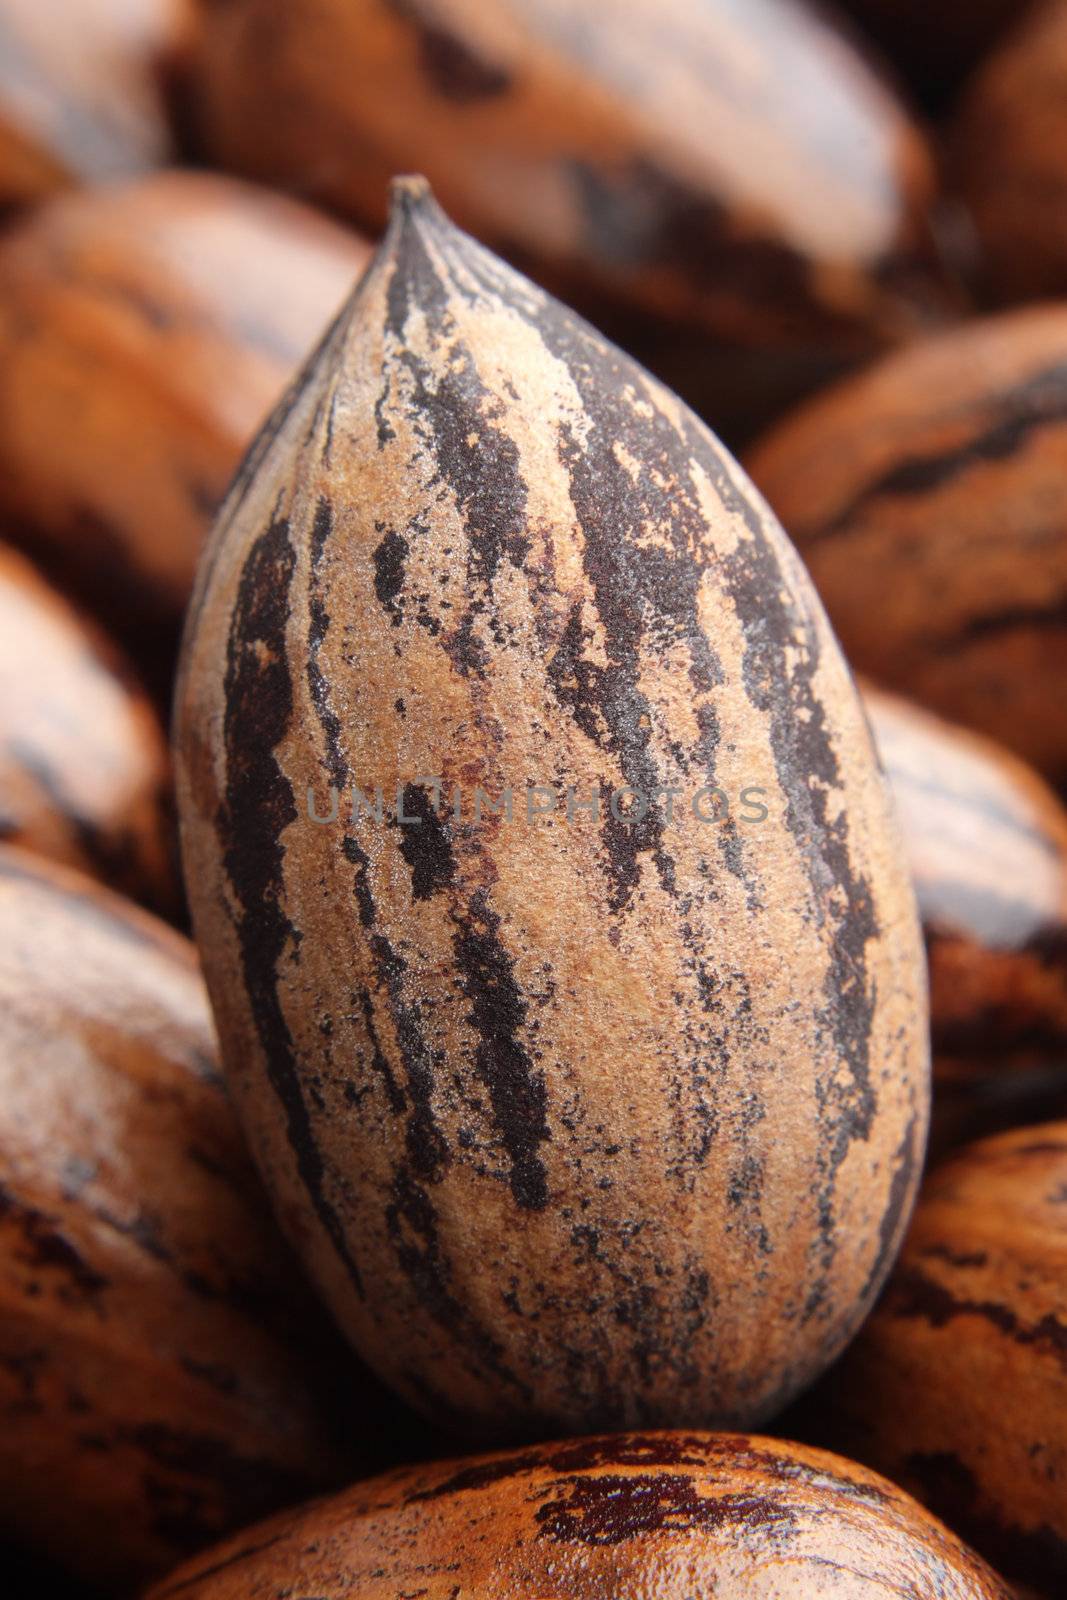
145	331
84	770
987	842
81	90
666	1514
929	501
731	166
152	1392
1010	142
577	1122
957	1386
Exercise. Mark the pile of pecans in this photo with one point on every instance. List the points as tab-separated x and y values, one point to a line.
659	1187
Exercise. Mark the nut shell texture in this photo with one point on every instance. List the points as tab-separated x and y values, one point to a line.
145	332
1011	157
153	1329
957	1385
81	91
575	1123
84	773
670	1515
928	500
727	167
987	842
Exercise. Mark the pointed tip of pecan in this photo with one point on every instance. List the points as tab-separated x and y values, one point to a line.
408	193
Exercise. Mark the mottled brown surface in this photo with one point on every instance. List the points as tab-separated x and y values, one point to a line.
674	1515
725	185
145	331
84	772
574	1124
1010	146
82	90
987	841
929	501
957	1386
152	1392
